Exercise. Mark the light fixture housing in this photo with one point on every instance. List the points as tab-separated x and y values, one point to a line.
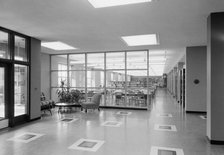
141	40
110	3
57	45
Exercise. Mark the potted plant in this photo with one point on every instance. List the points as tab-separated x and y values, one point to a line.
65	94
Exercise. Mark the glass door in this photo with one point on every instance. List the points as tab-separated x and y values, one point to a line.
4	122
20	90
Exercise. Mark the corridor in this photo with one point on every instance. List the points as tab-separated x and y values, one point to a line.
163	130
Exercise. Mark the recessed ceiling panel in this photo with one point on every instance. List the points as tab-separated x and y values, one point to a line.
110	3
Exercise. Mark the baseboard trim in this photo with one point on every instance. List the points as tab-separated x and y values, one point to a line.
128	108
35	119
196	112
215	142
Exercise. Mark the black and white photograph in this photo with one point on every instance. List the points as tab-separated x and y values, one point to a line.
111	77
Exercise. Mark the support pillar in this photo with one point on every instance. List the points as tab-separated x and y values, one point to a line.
215	78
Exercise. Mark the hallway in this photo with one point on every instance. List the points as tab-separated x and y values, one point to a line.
131	133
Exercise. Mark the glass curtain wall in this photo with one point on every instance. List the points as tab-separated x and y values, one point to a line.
121	77
59	73
115	73
77	72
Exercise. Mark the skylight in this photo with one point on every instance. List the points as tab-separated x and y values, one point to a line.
109	3
141	40
57	46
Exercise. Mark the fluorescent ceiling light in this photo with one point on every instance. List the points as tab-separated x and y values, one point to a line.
140	40
57	45
109	3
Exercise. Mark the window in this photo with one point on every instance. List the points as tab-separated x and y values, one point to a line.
4	45
20	49
103	71
102	78
62	73
21	89
90	79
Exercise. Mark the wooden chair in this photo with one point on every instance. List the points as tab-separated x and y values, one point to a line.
93	104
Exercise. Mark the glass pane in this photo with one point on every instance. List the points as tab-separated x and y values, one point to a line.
92	91
115	79
134	73
157	60
54	95
95	79
81	89
77	61
137	60
156	70
115	60
95	61
138	79
59	62
2	93
58	78
20	49
4	45
77	78
137	88
21	86
115	97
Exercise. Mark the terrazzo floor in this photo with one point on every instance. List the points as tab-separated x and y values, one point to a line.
95	133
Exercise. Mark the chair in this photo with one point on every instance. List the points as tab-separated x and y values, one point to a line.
119	98
46	105
90	95
93	104
140	99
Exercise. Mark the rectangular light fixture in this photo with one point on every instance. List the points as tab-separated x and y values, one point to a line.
109	3
57	45
141	40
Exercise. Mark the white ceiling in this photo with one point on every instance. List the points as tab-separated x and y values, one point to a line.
179	23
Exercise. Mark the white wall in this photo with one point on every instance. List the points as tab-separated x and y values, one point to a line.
35	86
196	69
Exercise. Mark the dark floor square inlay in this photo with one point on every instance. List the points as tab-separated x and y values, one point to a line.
165	115
26	136
66	119
125	113
165	127
87	144
166	152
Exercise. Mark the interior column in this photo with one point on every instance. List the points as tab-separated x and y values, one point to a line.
215	78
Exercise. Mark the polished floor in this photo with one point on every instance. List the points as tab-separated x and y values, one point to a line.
135	134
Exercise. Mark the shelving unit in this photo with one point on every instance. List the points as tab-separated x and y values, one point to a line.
130	84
